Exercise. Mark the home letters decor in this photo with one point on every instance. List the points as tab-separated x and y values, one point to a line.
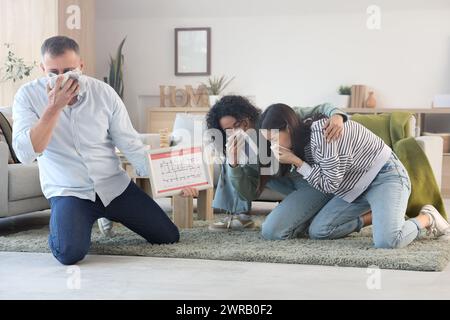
187	97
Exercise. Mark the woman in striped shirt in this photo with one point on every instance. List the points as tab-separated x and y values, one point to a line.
359	169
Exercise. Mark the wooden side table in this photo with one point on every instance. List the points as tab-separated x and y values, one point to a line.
182	208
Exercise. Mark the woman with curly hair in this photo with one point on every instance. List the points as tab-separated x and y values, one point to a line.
233	114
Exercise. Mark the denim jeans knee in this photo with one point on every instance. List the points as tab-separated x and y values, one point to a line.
68	255
317	232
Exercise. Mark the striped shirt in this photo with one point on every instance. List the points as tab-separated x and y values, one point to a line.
344	167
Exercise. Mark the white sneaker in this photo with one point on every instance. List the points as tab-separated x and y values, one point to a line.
439	226
105	227
233	222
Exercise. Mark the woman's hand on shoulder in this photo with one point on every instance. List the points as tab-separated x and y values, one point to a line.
334	128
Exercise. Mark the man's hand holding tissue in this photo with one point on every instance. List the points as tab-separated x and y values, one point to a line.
60	96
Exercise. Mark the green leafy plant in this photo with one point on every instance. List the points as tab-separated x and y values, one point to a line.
216	85
345	90
14	68
115	79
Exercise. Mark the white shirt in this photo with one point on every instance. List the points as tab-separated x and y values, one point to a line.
80	159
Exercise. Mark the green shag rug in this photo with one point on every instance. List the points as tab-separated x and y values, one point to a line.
199	243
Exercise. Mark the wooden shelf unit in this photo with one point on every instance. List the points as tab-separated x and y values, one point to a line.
160	118
390	110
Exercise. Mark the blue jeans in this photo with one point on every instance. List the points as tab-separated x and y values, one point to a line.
291	218
72	218
387	196
227	197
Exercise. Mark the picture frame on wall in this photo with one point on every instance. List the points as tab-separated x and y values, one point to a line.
192	51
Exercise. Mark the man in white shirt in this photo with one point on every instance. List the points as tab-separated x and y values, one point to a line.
72	131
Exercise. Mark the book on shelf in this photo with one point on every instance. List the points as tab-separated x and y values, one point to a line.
358	96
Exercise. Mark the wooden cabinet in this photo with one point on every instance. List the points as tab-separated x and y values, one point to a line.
163	118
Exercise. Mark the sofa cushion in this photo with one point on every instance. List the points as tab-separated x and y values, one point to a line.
151	139
412	127
6	132
3	139
7	112
188	129
23	182
266	195
27	206
270	195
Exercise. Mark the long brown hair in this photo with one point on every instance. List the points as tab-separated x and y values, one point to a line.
282	117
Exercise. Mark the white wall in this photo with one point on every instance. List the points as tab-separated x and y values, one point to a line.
25	24
285	50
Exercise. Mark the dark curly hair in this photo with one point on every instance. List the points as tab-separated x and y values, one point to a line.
237	107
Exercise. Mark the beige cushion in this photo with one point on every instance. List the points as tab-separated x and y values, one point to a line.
150	139
270	195
412	127
188	129
23	182
3	139
7	112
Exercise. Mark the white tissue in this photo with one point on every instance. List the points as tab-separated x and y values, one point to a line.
242	139
74	74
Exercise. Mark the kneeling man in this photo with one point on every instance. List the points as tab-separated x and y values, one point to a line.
72	129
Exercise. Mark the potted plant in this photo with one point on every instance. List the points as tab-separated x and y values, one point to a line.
14	68
215	87
115	79
344	96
